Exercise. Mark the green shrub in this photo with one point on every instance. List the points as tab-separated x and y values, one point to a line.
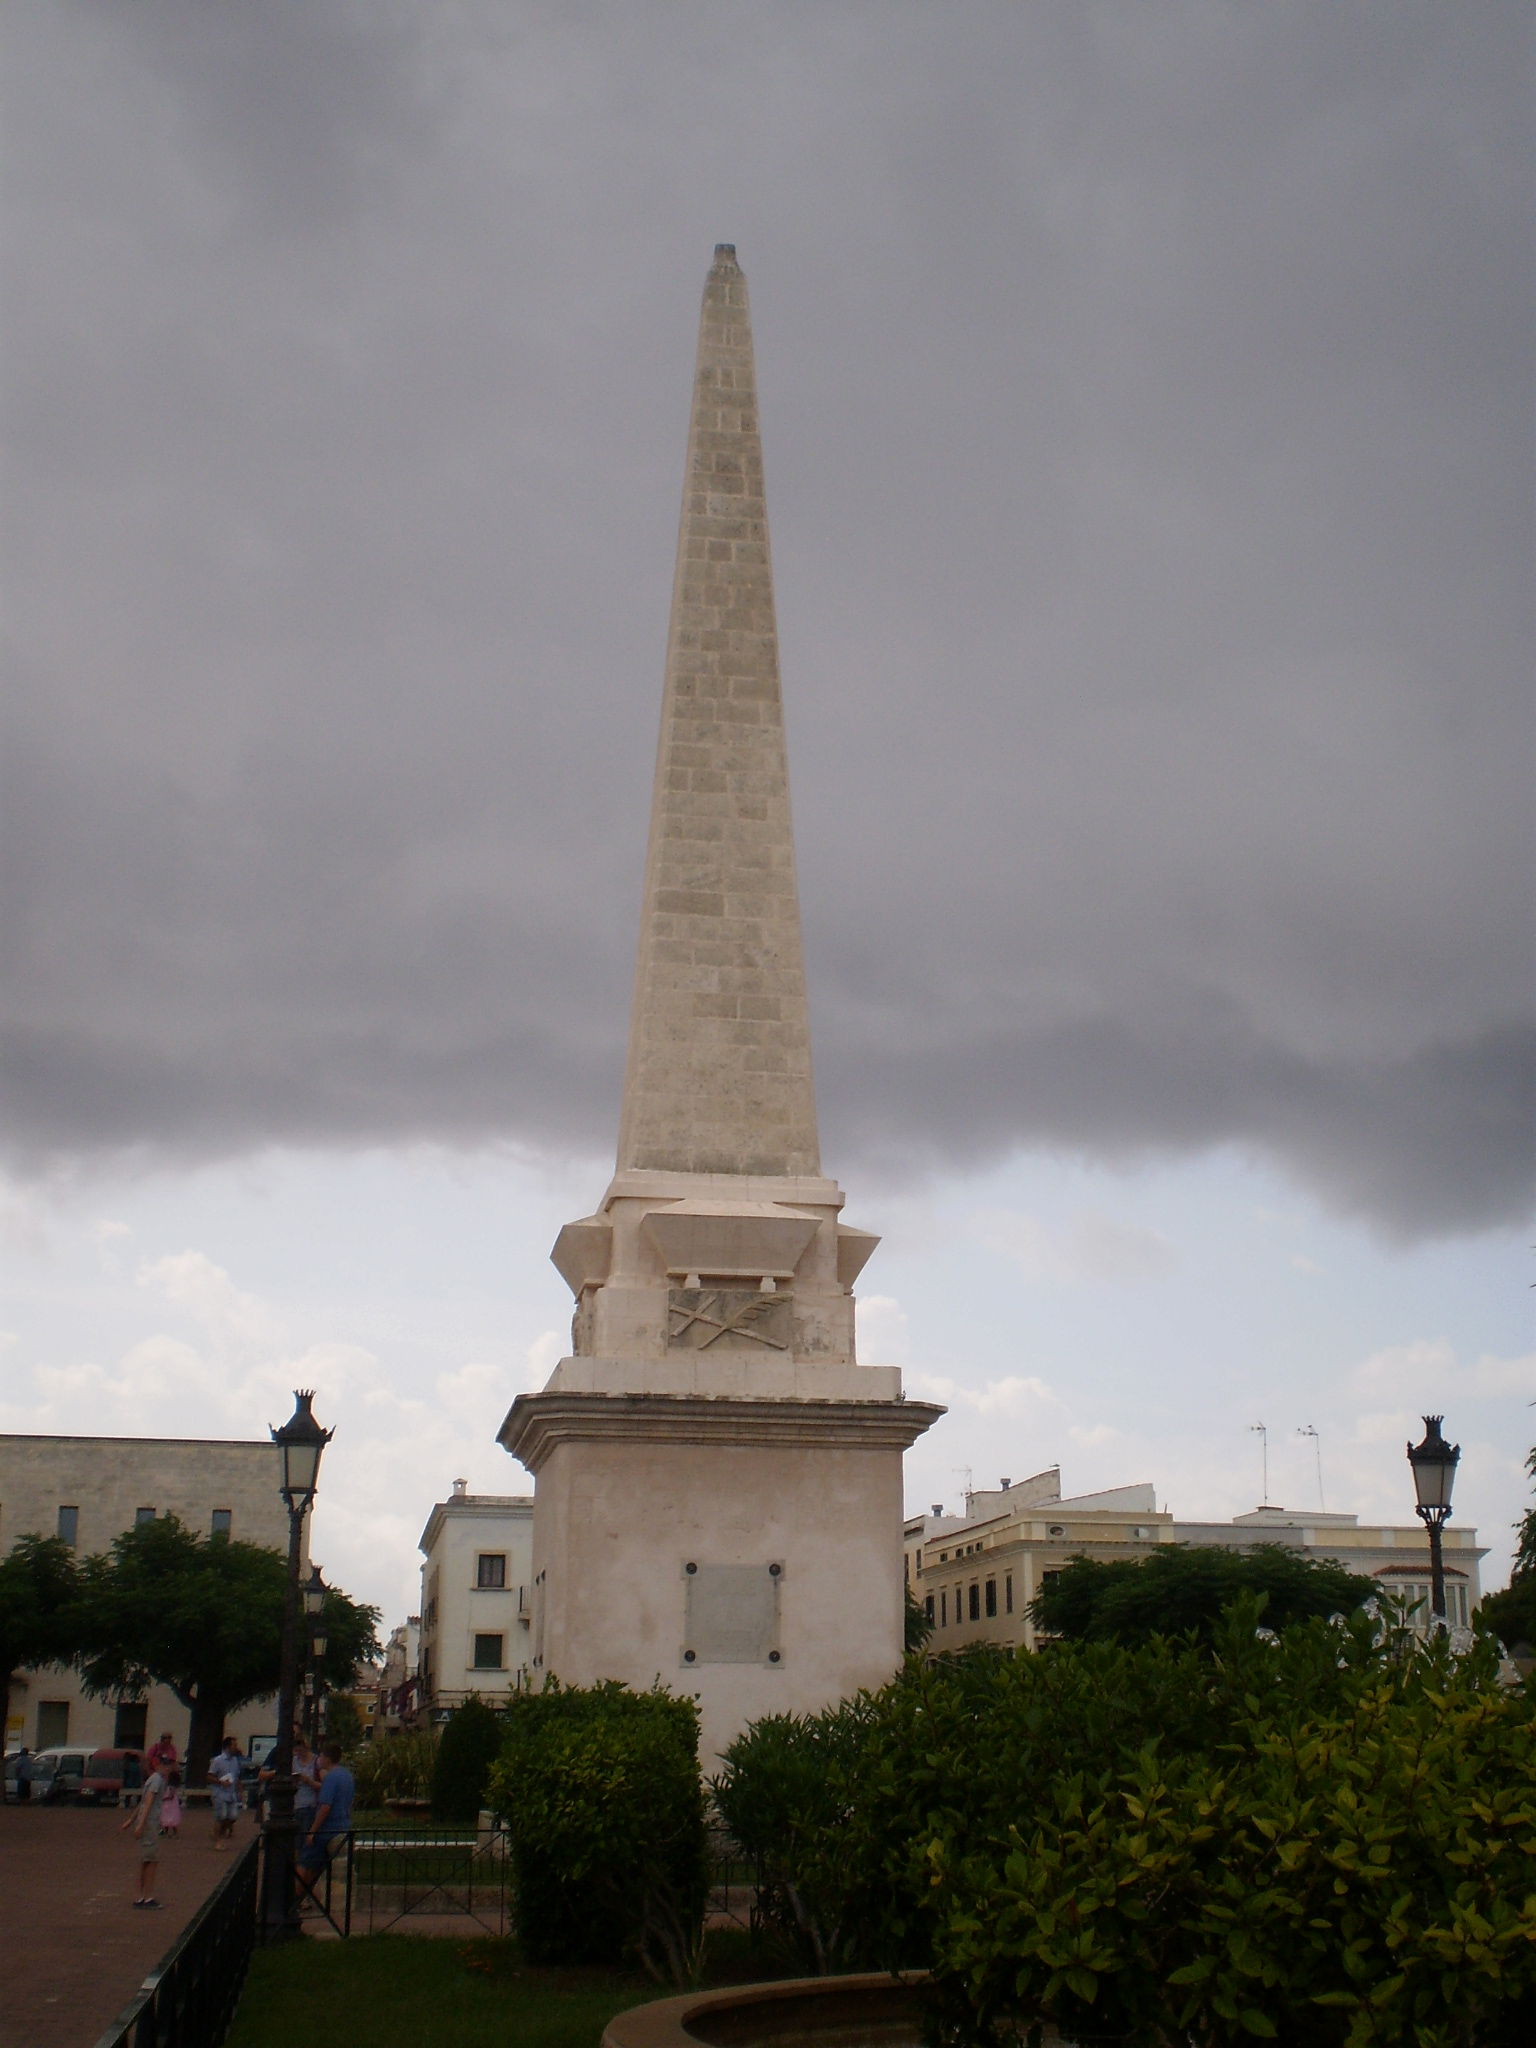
1314	1838
394	1767
788	1790
599	1788
469	1744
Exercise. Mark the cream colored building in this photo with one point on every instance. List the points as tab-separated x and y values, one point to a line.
399	1678
474	1629
718	1480
89	1489
975	1574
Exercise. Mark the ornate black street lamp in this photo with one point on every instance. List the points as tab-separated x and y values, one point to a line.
1434	1474
314	1614
300	1441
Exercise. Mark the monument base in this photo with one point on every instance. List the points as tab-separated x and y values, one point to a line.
744	1551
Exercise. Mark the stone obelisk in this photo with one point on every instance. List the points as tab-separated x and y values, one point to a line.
717	1481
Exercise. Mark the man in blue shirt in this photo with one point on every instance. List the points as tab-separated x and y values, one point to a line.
330	1822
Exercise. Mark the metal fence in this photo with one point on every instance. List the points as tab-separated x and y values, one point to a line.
188	2000
405	1879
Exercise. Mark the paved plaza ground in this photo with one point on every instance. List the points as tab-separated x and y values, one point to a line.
75	1950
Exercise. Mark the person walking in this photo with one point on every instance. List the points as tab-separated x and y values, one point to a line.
163	1753
224	1791
25	1771
145	1822
330	1822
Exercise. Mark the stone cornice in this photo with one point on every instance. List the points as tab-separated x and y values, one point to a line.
536	1424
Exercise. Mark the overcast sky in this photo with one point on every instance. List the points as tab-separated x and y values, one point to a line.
1147	408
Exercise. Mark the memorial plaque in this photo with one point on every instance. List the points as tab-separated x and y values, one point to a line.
731	1613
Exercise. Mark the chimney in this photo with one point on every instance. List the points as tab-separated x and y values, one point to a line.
938	1508
460	1488
1005	1484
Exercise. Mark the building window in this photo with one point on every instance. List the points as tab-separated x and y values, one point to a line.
943	1610
130	1724
991	1597
52	1723
69	1526
491	1569
928	1608
141	1516
488	1655
222	1525
975	1601
1007	1592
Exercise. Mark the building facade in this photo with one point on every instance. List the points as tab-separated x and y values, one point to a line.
474	1633
87	1490
975	1574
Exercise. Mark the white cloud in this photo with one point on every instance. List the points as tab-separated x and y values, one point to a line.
1428	1370
191	1282
884	1336
1011	1396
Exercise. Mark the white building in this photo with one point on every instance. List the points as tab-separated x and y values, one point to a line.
975	1574
89	1489
474	1598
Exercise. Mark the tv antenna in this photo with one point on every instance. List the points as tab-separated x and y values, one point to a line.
1317	1451
1261	1431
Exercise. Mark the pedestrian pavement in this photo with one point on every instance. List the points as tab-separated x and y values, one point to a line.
75	1949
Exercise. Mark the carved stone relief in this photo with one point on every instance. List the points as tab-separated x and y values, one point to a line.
728	1319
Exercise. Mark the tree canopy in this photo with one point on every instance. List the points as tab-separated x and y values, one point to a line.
1181	1589
38	1585
204	1616
1511	1614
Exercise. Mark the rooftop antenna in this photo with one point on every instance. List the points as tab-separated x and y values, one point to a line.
1317	1449
1261	1431
964	1472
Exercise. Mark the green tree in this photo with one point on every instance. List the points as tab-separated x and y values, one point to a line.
343	1723
1511	1613
39	1583
470	1743
1182	1589
202	1615
916	1628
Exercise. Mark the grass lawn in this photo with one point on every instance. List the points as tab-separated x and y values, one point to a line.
415	1991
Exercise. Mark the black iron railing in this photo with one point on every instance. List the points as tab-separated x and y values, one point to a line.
188	2000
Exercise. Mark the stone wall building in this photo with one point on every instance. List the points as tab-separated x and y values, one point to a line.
474	1628
975	1574
89	1489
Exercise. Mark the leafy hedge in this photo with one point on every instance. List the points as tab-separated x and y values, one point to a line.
1305	1839
469	1744
604	1807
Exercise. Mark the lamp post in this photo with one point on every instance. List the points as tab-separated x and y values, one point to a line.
300	1442
1434	1473
314	1614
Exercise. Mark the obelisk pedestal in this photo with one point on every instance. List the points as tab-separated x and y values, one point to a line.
717	1482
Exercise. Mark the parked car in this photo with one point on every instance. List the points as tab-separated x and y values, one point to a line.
42	1777
66	1773
111	1776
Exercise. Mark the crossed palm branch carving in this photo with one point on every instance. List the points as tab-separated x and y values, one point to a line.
728	1321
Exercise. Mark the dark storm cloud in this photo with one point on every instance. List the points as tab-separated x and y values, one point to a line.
1146	396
